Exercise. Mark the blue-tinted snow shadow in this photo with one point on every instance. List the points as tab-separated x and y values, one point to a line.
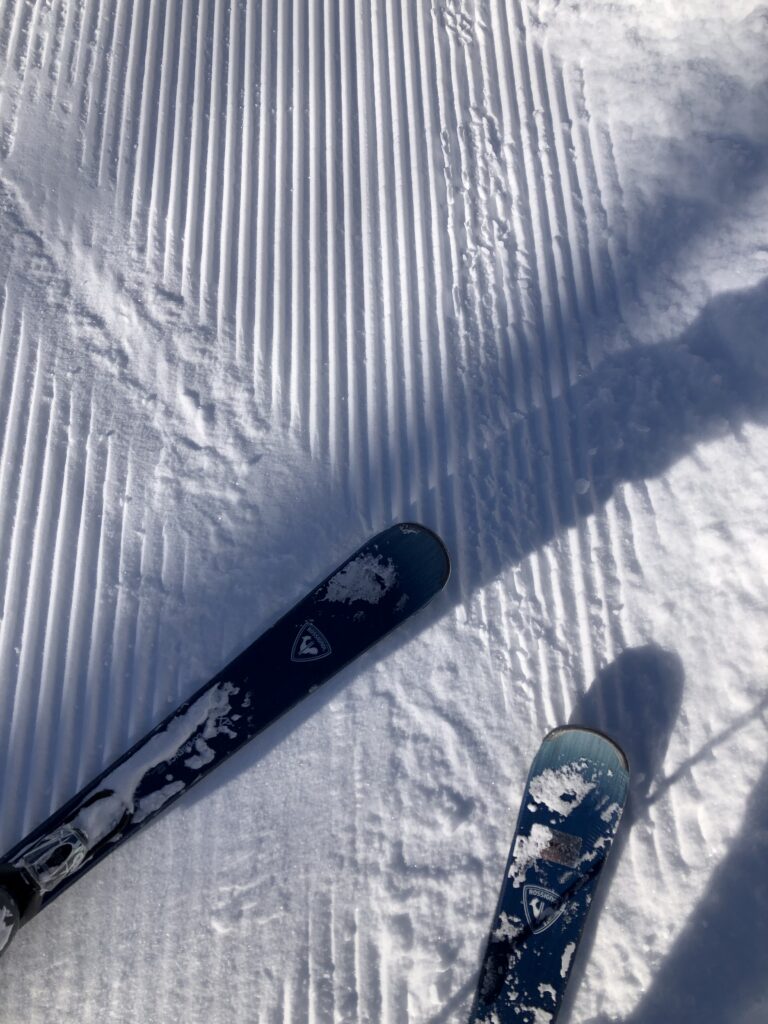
637	413
636	700
640	410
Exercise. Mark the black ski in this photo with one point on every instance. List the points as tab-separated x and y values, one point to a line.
570	811
380	586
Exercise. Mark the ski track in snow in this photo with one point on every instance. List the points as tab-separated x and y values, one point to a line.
272	276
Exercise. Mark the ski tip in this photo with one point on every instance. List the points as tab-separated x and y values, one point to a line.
435	547
593	740
429	533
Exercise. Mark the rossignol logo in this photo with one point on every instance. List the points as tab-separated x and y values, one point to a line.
542	907
310	644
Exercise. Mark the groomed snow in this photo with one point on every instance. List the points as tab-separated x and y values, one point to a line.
276	274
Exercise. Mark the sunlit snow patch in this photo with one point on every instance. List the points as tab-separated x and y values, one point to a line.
507	928
561	789
367	578
206	717
537	1015
565	963
528	850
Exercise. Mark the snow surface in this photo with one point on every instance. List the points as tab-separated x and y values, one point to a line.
275	275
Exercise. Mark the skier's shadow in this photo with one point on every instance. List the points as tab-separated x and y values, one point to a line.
636	700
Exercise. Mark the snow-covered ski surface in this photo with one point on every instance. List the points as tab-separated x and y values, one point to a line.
276	274
569	812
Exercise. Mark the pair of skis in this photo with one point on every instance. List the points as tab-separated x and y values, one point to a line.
570	812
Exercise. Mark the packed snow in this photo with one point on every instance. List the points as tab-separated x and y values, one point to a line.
561	790
368	578
277	274
204	719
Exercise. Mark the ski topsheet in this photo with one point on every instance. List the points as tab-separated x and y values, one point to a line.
573	800
377	588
